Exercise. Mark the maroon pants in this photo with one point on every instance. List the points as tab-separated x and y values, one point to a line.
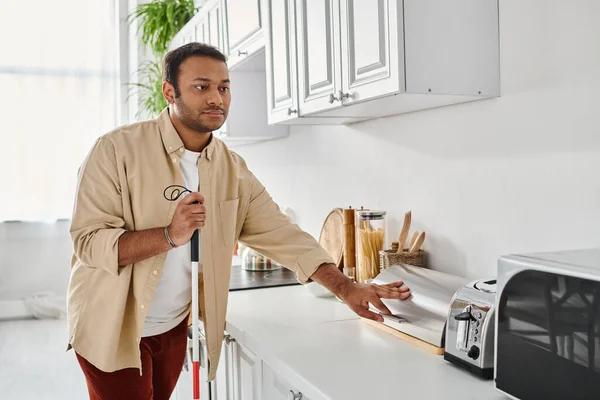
162	360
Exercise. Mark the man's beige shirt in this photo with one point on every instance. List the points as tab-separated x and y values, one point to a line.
120	188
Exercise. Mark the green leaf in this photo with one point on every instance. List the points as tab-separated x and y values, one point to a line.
160	20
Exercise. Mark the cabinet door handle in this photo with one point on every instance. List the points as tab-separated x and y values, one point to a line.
297	396
242	53
332	98
228	339
292	111
345	95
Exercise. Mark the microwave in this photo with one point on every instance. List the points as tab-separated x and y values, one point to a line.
547	334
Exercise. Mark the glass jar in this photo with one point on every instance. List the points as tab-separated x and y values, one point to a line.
370	239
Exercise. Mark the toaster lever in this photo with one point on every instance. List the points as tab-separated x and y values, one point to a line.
464	316
462	335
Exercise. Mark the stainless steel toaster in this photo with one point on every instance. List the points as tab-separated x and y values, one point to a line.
469	336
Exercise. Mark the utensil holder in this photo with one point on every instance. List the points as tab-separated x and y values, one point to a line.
391	257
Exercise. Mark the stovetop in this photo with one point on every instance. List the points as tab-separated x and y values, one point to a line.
243	280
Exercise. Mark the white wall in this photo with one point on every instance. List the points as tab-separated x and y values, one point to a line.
516	174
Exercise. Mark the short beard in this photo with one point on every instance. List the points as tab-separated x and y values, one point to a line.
191	118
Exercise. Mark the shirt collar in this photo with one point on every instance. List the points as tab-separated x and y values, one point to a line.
171	139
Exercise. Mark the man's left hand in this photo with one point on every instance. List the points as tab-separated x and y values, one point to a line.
358	296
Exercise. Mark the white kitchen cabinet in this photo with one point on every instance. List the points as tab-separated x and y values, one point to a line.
319	56
203	31
363	59
241	375
281	63
190	37
247	122
214	18
372	48
276	387
243	29
454	50
222	388
204	27
247	374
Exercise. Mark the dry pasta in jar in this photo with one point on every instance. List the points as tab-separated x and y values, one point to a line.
370	238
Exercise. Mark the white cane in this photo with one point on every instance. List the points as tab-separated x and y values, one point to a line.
175	193
195	345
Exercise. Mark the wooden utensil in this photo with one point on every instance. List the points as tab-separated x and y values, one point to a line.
349	243
418	243
414	239
404	233
332	236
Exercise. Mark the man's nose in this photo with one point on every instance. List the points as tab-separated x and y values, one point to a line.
214	98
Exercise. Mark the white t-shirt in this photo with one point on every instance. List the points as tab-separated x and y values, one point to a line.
174	292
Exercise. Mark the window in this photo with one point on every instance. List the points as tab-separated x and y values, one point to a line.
60	91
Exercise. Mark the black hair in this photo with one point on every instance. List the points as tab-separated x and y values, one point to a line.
174	59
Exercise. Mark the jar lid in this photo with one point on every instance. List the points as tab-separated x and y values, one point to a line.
371	214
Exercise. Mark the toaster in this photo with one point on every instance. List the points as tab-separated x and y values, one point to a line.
469	336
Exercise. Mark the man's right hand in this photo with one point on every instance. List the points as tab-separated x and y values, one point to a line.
187	218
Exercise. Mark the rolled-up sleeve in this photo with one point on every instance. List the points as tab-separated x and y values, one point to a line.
270	232
97	221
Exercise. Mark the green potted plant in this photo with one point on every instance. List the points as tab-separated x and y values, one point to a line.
159	21
149	88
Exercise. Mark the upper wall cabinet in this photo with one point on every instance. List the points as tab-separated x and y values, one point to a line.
296	83
319	55
372	49
282	98
243	31
205	27
215	28
362	59
247	121
363	62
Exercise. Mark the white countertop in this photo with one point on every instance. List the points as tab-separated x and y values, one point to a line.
321	346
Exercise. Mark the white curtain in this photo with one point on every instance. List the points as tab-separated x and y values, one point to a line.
59	92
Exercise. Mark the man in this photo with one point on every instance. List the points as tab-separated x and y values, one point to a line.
130	288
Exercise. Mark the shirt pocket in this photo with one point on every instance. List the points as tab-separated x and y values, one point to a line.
229	213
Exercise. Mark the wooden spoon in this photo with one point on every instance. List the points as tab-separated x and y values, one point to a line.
418	243
414	238
404	233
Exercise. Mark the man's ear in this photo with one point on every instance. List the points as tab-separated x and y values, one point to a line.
168	92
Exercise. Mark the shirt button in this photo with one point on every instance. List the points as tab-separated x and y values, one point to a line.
155	272
142	306
170	147
181	150
174	160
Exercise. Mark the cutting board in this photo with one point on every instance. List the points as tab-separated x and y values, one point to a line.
332	236
406	337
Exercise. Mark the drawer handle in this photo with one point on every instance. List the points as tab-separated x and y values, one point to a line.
297	396
292	111
332	98
242	53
